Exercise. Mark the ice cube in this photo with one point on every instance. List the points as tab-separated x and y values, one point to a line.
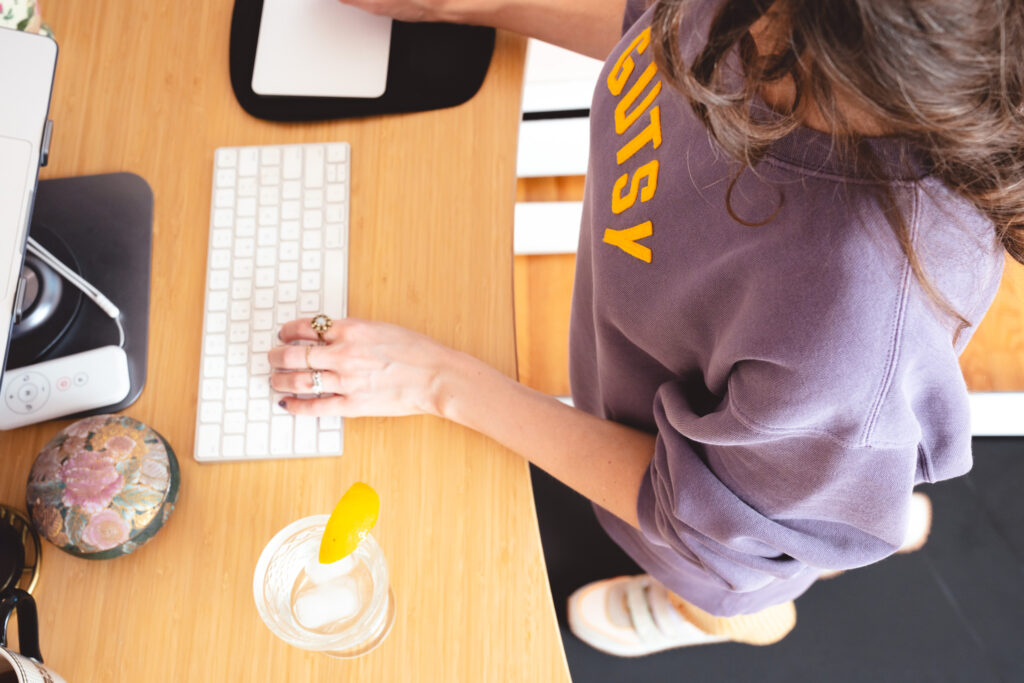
322	573
327	603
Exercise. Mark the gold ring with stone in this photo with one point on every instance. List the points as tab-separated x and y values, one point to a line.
321	323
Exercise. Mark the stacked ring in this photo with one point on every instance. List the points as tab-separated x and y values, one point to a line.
318	387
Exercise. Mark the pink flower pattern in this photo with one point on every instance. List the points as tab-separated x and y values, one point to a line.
90	481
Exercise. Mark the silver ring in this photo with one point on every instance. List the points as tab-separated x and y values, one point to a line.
318	386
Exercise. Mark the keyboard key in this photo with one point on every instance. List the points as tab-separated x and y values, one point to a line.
330	423
213	389
270	175
291	189
211	411
218	280
246	187
208	441
312	219
292	168
259	410
245	227
335	213
263	299
288	272
335	192
234	423
281	434
311	240
311	260
334	283
263	320
246	207
238	353
266	237
287	292
226	177
269	196
266	256
220	258
257	441
259	366
234	446
268	215
235	399
261	342
227	157
243	267
224	198
238	333
305	435
309	302
314	175
333	235
238	377
248	161
215	344
289	230
289	251
259	387
217	301
240	310
241	289
216	322
270	156
286	313
313	199
223	218
213	367
310	281
245	247
265	277
337	152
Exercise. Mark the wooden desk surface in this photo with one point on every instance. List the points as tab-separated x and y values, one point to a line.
143	87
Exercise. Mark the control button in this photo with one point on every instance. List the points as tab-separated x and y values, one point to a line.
27	392
81	379
63	384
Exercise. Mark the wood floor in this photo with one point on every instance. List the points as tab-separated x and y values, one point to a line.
993	361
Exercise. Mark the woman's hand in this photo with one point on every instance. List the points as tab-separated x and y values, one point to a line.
408	10
367	369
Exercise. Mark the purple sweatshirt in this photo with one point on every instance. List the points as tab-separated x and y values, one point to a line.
798	378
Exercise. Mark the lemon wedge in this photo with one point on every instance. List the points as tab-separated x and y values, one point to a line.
352	518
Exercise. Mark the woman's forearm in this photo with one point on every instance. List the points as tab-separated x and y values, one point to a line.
602	460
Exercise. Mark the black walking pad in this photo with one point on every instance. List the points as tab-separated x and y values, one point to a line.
952	611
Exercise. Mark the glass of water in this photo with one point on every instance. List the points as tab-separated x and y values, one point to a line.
344	609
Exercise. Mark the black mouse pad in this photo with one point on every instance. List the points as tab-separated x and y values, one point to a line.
948	612
430	66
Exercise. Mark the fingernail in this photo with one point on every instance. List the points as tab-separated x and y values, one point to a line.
281	403
279	335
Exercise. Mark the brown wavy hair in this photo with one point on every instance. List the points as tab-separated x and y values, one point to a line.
947	75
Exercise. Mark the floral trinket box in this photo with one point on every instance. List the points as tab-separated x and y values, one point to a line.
103	486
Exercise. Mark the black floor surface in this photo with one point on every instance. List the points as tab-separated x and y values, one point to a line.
953	611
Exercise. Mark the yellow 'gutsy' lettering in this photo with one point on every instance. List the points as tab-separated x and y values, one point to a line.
644	181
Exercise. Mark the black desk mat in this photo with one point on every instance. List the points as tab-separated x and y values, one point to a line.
107	223
952	611
430	66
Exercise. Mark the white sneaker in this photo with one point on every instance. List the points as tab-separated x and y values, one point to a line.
631	616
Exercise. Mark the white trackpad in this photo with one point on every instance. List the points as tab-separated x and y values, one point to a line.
321	48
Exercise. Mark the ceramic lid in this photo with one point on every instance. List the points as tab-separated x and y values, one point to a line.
103	486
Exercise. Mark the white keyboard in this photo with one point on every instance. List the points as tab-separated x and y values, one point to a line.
278	251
